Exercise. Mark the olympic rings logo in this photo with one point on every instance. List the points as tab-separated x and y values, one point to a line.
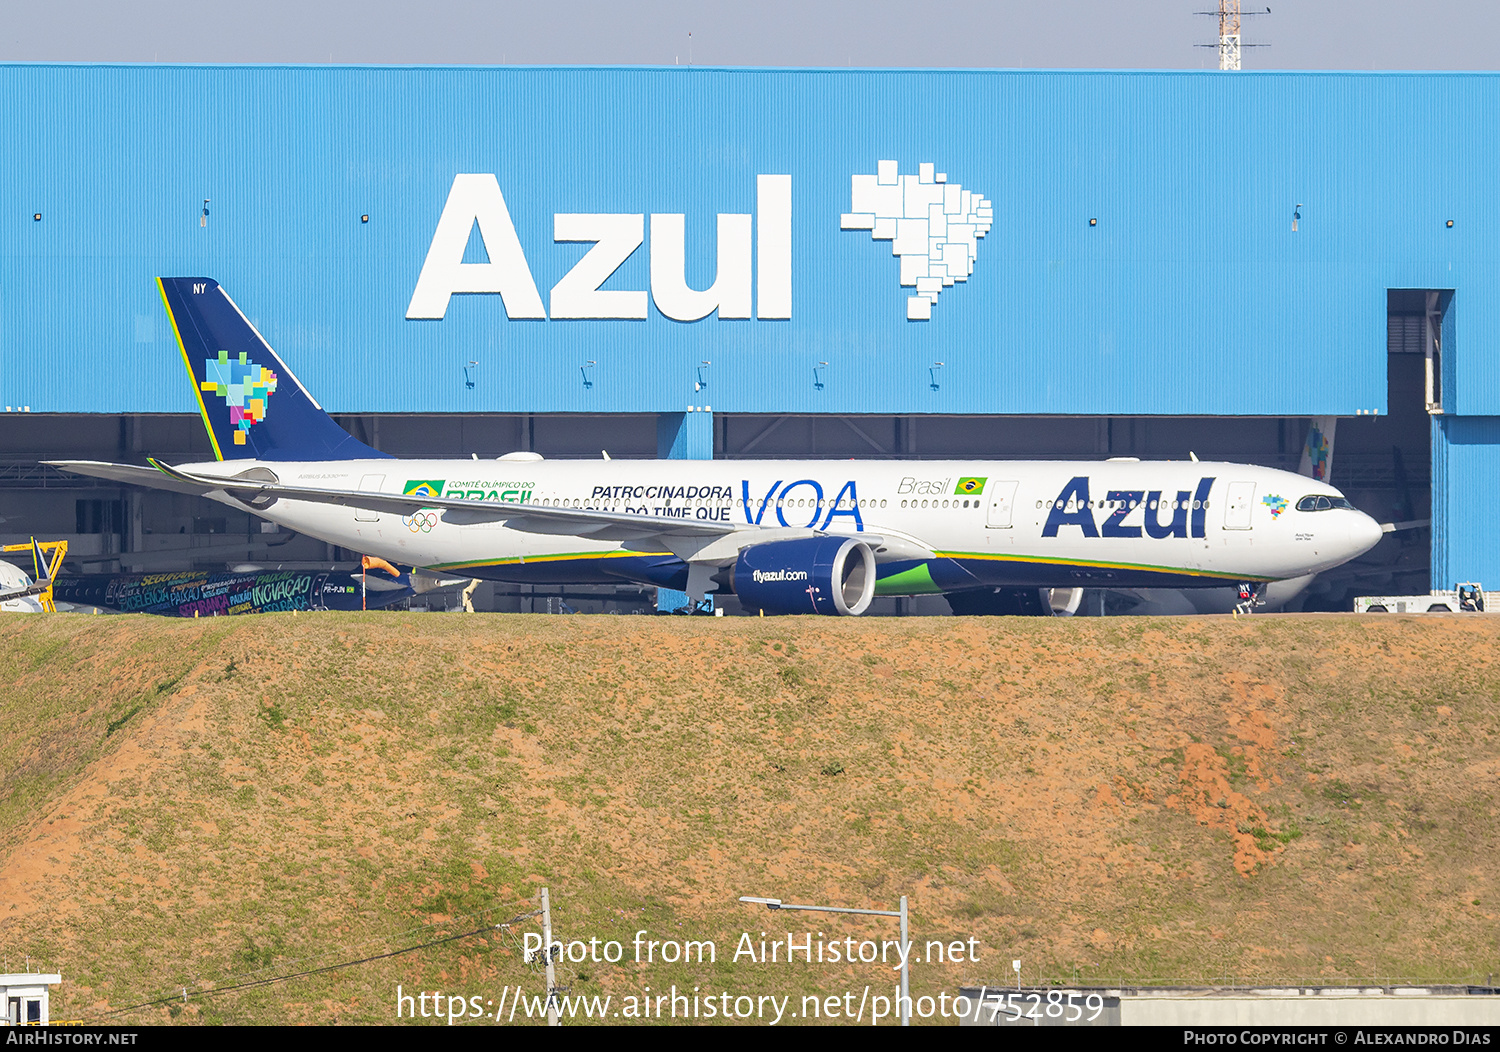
421	522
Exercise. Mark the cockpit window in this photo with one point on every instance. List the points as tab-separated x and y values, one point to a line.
1323	502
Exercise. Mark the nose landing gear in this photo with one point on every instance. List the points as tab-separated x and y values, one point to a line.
1251	596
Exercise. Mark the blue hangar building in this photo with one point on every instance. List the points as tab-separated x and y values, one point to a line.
733	263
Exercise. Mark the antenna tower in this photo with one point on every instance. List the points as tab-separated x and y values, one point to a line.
1229	33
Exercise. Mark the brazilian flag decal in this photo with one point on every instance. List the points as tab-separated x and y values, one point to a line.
424	488
970	485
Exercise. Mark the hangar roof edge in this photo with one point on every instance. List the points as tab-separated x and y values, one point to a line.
890	70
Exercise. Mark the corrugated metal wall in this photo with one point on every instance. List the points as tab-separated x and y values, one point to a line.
1191	295
1465	488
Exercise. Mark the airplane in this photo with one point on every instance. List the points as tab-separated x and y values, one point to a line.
19	594
206	593
786	537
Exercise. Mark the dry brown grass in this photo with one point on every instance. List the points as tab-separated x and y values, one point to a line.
190	803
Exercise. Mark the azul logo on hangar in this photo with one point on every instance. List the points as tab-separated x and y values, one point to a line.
752	252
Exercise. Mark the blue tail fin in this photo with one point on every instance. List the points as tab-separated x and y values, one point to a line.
252	405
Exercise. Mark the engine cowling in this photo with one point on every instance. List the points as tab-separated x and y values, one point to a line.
820	575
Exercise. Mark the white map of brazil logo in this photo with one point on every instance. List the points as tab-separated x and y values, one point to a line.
934	227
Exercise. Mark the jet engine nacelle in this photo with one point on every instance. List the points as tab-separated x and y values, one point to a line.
821	575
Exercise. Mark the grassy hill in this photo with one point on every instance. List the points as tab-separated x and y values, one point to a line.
206	803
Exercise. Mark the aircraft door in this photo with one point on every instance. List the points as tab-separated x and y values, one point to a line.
1002	503
1241	501
369	484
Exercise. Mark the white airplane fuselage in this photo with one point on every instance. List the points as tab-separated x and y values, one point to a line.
945	525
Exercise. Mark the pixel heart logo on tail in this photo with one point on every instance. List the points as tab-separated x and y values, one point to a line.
934	227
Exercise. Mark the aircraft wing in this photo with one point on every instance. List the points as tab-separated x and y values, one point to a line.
690	539
528	518
22	593
133	474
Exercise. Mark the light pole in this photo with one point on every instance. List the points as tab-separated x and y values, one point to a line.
777	904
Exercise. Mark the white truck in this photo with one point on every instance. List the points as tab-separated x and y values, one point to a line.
1464	597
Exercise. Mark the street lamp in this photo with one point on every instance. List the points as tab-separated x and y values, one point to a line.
777	904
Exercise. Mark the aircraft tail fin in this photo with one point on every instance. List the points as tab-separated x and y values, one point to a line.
1317	452
41	576
252	405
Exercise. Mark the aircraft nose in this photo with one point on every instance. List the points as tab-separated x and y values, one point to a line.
1364	534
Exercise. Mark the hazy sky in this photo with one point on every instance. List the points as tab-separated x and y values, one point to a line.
1109	34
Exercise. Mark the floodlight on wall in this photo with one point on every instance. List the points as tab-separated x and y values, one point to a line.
1450	224
36	217
364	218
203	219
1296	215
1093	222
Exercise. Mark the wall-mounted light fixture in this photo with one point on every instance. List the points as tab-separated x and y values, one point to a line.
1296	215
702	380
203	219
36	217
932	372
1450	224
818	375
364	218
1093	222
584	369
